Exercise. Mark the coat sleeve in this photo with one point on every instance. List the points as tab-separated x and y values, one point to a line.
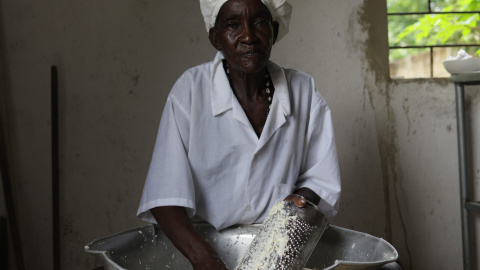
169	180
319	170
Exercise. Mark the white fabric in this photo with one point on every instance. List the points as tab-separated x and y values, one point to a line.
281	12
208	159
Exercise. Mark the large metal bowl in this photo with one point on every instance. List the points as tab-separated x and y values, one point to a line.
148	248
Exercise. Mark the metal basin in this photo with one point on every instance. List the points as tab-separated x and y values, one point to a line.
148	248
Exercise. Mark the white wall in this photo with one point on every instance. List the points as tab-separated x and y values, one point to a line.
117	60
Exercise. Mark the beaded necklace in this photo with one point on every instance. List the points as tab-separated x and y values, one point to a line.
269	89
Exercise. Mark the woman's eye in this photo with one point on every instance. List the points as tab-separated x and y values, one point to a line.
232	25
261	23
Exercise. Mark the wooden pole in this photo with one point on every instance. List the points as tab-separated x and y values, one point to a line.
55	170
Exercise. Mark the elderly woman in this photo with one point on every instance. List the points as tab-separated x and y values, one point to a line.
238	134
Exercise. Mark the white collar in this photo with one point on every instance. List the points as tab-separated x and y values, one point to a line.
222	94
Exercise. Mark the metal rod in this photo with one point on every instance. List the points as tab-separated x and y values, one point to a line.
434	46
433	13
463	170
55	170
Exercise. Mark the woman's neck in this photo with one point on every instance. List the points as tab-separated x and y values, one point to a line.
247	85
254	92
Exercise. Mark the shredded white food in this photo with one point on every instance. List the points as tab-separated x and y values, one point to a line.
271	243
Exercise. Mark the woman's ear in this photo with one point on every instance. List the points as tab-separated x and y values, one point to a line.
213	37
275	27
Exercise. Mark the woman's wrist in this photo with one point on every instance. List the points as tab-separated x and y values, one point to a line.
206	259
199	251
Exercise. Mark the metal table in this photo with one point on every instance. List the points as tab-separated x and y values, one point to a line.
467	206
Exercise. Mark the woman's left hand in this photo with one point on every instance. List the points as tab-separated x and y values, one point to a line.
298	200
303	195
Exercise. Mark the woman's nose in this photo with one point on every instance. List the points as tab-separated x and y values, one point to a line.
248	34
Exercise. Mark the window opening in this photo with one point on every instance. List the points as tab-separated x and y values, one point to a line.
423	33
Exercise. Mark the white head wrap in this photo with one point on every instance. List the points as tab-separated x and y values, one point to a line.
281	11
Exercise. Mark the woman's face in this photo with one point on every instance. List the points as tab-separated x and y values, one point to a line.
245	33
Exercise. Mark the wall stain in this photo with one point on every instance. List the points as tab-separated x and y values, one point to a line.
406	109
364	99
378	87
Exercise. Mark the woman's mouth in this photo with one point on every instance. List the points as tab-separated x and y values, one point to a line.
250	54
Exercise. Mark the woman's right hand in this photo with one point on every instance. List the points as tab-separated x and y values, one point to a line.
177	227
209	262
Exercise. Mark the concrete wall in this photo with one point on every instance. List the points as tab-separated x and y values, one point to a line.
418	65
117	60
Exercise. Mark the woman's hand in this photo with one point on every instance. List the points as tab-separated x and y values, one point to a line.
177	227
298	200
303	195
209	262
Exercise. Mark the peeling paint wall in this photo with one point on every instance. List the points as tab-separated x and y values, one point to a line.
117	61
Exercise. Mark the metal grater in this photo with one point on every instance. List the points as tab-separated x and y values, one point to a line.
286	238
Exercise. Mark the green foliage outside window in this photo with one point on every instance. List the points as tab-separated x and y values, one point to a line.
432	29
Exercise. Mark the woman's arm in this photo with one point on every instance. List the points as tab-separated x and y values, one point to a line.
174	222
